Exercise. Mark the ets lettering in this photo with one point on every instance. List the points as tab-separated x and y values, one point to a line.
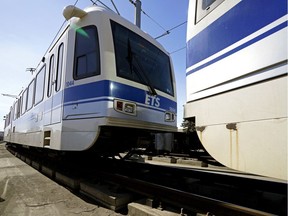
152	100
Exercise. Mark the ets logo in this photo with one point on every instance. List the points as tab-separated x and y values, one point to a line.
152	100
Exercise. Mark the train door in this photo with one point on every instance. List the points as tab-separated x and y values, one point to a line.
53	106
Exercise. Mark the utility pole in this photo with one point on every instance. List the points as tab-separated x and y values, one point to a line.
138	13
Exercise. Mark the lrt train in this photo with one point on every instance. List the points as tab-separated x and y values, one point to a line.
102	84
236	77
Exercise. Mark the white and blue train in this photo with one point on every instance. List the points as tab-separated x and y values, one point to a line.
103	83
236	78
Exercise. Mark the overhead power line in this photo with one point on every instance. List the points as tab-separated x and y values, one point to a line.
169	31
115	7
153	20
166	32
175	51
158	24
95	3
57	33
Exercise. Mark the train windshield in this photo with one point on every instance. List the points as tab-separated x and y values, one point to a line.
140	61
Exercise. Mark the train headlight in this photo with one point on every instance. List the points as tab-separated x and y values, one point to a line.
169	116
129	108
125	107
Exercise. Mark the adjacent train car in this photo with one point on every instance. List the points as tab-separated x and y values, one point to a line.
236	78
102	83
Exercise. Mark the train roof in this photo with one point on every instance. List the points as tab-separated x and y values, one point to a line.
112	15
76	15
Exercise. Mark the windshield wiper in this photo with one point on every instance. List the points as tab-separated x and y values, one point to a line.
131	58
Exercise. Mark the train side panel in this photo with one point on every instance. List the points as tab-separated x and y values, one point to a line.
38	123
237	84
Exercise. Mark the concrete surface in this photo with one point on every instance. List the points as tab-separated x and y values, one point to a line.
137	209
25	191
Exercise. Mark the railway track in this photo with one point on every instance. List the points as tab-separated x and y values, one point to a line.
192	190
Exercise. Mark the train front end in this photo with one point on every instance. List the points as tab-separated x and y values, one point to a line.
132	92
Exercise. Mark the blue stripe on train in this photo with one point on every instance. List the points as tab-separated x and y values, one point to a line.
248	43
244	19
95	91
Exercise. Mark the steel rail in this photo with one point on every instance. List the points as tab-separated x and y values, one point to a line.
179	198
158	182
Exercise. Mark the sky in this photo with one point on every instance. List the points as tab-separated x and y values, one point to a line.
28	27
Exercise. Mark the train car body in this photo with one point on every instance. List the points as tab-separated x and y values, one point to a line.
236	79
102	78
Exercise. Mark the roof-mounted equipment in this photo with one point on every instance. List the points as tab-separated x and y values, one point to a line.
72	11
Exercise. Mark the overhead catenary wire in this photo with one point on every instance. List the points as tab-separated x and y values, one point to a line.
61	27
132	2
169	31
158	24
95	3
177	50
166	32
114	5
57	33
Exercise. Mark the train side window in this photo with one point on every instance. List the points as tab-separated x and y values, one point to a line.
87	57
207	3
7	120
204	7
15	110
24	102
13	113
10	119
59	67
18	107
30	94
39	86
50	76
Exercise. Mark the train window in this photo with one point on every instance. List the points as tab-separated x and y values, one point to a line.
59	67
39	87
51	76
18	107
204	7
30	95
7	119
147	65
207	3
10	119
87	58
24	102
12	112
15	110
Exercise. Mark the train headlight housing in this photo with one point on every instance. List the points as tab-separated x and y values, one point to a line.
169	116
125	107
